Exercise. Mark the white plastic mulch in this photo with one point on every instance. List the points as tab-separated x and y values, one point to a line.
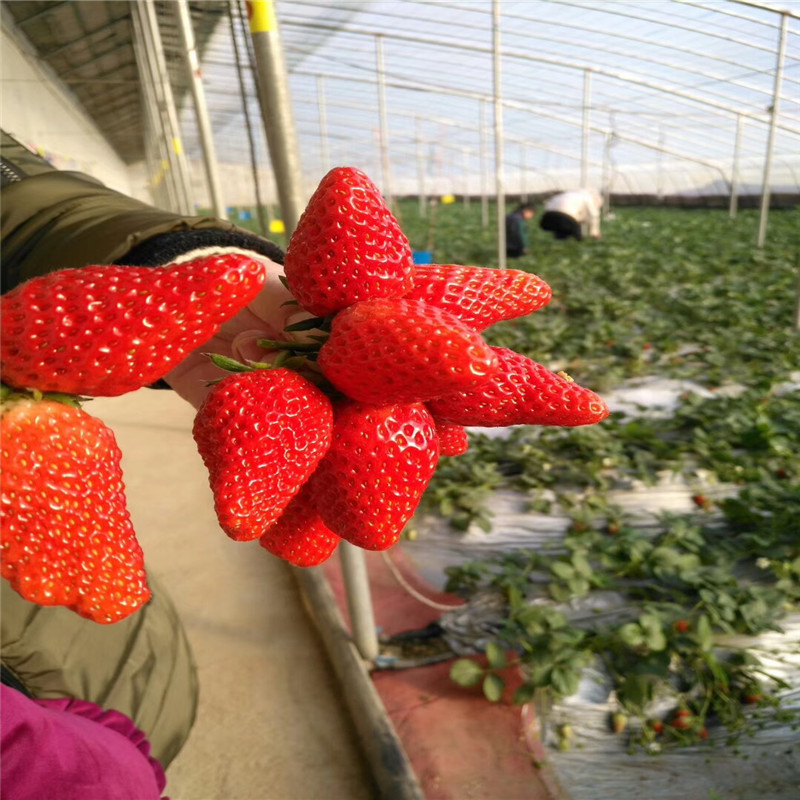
599	767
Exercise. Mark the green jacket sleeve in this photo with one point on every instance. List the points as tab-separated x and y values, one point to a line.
53	220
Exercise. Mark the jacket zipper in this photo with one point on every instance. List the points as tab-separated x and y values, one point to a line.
9	173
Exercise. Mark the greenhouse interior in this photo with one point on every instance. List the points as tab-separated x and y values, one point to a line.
572	607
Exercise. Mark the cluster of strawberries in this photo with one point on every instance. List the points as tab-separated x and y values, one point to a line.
340	436
335	438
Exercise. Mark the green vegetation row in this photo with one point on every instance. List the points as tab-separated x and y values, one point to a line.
671	293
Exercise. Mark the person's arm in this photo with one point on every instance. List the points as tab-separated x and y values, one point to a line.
53	220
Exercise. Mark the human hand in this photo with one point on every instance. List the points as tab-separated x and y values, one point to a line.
264	318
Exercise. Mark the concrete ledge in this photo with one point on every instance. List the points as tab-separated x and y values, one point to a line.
383	749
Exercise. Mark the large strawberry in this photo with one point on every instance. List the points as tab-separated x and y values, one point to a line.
66	536
106	330
347	246
300	536
260	434
480	296
380	462
521	393
403	351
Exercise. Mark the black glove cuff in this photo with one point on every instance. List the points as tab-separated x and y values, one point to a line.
166	247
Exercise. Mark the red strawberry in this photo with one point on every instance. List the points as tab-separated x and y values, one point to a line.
453	439
403	351
479	296
66	536
300	536
260	434
107	330
347	246
380	462
521	393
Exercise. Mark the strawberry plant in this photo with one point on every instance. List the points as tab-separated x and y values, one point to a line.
679	295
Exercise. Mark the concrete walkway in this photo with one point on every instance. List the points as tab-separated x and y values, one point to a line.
271	723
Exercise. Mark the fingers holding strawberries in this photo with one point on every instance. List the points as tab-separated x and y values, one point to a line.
102	331
399	351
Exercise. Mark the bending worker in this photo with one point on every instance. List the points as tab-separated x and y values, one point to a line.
573	215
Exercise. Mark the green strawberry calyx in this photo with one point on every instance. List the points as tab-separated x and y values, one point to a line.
11	395
298	358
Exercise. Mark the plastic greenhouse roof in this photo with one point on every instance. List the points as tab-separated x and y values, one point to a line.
657	96
662	88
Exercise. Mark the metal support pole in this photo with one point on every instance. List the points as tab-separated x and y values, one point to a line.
184	18
359	603
773	121
587	100
323	124
421	170
263	222
734	200
498	136
606	179
484	166
276	109
163	177
383	127
465	174
158	63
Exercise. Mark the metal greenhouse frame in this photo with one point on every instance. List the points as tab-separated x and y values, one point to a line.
339	74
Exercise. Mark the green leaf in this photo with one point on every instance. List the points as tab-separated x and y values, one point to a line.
495	655
703	632
466	672
582	565
564	681
524	694
562	569
631	634
493	686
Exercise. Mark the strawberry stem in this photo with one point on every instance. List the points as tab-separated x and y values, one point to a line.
229	364
300	347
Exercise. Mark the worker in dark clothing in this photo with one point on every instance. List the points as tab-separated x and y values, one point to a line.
517	237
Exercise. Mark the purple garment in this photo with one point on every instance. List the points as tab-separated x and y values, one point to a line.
73	750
